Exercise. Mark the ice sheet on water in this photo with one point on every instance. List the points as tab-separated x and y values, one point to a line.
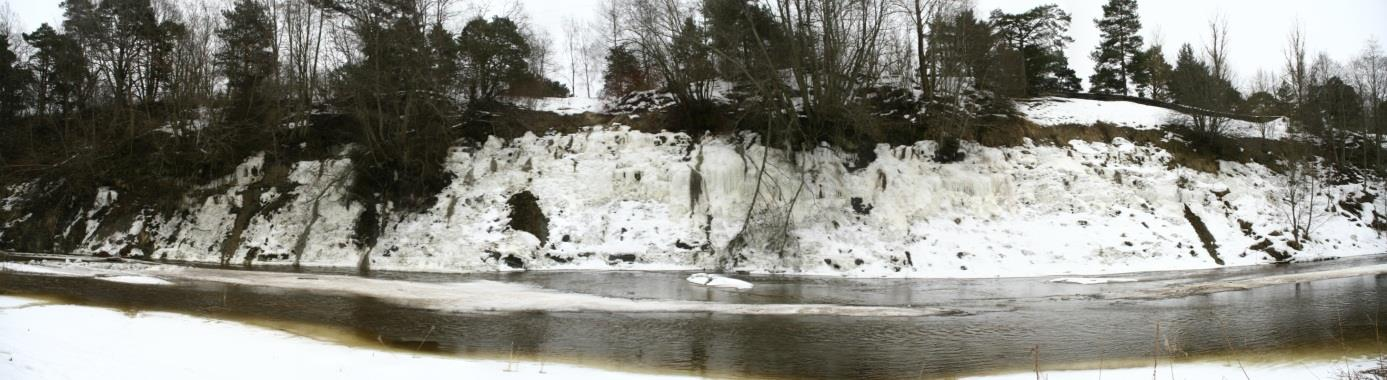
718	281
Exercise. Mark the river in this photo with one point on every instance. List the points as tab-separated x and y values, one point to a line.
1005	324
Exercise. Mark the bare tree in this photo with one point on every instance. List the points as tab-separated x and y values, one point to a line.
1262	81
1216	49
1324	68
919	14
1303	209
576	43
611	22
1297	69
302	26
835	44
1369	72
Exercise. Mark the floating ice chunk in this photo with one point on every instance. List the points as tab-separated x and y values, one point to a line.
137	280
718	281
32	269
1091	280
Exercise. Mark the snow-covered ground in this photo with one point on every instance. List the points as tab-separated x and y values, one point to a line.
621	199
1293	370
562	106
1057	111
40	341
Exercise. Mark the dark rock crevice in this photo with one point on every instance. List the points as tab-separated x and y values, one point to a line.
525	215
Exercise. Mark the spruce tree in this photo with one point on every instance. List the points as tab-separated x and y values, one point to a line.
247	55
445	57
1190	80
624	74
1040	36
1117	56
1154	77
60	69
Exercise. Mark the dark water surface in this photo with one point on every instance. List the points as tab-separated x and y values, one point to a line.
1073	325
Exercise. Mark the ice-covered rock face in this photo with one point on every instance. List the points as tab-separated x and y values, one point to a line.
615	198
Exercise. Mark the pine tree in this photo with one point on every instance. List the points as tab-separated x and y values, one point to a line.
493	55
1117	54
1040	36
160	41
247	55
744	35
13	80
60	70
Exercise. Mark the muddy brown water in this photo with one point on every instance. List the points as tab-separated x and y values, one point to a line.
1073	325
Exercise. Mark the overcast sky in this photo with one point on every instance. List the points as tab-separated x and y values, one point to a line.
1257	37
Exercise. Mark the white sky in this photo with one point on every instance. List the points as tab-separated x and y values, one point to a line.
1257	28
1257	36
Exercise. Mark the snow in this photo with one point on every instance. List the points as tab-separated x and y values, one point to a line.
1058	111
563	106
718	281
474	296
1292	370
137	280
30	268
1091	280
41	341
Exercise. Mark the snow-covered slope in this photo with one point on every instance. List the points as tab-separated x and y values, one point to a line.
622	199
1056	111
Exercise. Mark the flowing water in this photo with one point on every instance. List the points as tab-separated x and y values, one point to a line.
1005	320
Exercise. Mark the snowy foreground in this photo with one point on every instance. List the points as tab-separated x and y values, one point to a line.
47	341
621	199
42	341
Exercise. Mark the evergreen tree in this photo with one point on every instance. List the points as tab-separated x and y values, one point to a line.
1117	54
60	70
693	57
13	80
1039	34
1333	110
624	73
1263	103
160	41
1193	84
745	37
445	56
1154	75
247	55
493	55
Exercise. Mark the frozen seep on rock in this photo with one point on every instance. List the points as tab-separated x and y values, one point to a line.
612	198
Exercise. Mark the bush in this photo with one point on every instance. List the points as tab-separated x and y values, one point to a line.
949	151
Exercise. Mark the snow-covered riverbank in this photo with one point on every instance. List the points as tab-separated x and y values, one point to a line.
613	198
